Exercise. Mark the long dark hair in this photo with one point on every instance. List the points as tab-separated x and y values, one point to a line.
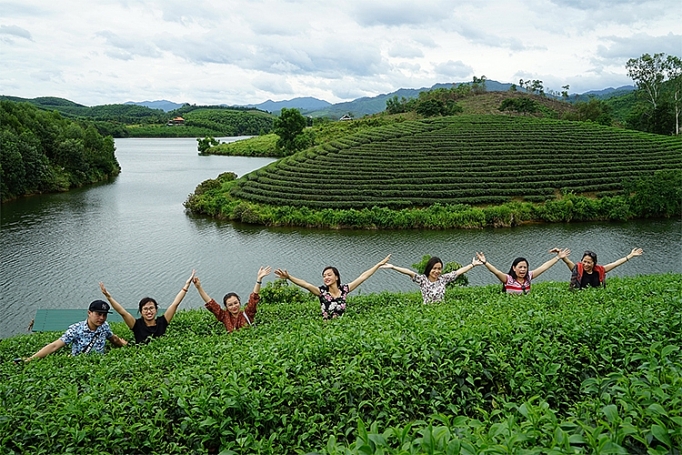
432	262
336	272
228	295
145	301
512	273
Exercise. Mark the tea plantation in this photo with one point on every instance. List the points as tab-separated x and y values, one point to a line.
597	371
461	160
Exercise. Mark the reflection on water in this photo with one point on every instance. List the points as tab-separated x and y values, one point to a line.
134	235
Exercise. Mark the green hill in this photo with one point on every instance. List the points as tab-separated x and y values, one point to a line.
451	161
596	371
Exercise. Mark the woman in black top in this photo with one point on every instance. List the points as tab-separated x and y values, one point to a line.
149	325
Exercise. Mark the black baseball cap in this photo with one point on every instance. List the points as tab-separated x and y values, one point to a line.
99	306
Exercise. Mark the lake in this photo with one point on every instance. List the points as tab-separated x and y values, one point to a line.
134	235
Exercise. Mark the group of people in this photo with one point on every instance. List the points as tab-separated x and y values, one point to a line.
90	335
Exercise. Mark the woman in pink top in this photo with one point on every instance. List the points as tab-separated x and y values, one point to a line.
518	280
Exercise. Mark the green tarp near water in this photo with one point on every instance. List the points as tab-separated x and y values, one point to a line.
58	320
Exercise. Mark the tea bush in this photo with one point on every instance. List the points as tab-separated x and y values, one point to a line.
596	371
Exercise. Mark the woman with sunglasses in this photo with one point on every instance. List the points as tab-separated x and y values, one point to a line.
518	280
587	273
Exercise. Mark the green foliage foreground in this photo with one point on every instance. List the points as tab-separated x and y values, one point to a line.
598	371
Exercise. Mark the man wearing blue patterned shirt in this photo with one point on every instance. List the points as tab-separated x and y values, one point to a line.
85	336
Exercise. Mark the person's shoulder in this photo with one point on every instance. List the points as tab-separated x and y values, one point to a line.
77	325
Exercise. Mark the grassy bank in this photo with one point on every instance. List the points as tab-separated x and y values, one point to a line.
552	372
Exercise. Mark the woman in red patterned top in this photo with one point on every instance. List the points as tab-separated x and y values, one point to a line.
232	317
518	280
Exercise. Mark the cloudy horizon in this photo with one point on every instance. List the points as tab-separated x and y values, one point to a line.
239	52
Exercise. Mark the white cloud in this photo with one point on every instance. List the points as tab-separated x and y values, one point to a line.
244	52
15	31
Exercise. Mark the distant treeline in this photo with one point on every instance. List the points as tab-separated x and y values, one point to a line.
42	152
131	120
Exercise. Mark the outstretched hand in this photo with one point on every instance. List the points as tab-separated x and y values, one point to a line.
385	260
481	257
282	274
263	271
636	252
386	266
104	290
476	261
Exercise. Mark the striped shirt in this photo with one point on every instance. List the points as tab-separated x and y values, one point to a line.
514	287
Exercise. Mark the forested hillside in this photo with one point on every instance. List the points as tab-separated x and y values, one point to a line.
42	152
130	120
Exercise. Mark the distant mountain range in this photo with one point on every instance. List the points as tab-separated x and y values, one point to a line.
371	105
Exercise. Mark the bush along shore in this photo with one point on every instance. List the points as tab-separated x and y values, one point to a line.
657	196
596	371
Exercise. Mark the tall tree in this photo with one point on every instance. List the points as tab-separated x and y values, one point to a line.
288	127
673	71
648	73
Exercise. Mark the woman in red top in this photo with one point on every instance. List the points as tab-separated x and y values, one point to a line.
587	273
232	317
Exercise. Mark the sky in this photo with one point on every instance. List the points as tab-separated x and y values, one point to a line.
239	52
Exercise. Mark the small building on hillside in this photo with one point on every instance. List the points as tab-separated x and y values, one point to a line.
176	121
346	117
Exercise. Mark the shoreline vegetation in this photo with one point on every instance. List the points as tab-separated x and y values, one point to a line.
456	172
599	370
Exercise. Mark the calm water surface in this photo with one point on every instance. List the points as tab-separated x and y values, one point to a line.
134	235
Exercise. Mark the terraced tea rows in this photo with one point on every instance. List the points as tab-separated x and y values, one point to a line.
455	160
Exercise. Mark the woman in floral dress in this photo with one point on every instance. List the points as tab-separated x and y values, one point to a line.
332	293
433	282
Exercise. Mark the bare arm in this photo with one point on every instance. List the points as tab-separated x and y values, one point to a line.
170	312
500	275
262	273
366	274
566	260
282	274
634	253
544	267
47	350
465	268
118	341
403	270
128	318
202	293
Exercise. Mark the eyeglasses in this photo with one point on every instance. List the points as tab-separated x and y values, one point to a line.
146	310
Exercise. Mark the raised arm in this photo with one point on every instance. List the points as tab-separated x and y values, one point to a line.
465	268
500	275
170	312
544	267
366	274
282	274
566	260
634	253
197	284
403	270
128	318
262	273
